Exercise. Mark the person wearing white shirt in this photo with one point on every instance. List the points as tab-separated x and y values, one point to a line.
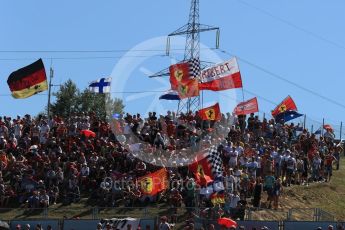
252	167
233	154
240	150
234	199
291	166
229	181
17	130
85	171
237	175
44	131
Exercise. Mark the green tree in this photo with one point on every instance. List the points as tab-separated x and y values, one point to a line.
101	104
66	99
70	100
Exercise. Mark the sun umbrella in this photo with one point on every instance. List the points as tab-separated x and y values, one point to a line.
227	222
4	225
88	133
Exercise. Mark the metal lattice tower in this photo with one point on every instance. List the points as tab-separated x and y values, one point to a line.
192	32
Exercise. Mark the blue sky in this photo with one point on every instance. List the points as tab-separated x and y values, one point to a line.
302	41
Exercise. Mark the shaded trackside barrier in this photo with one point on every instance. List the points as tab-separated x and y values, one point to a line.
272	225
151	222
55	224
293	225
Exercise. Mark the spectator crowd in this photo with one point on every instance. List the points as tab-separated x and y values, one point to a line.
47	161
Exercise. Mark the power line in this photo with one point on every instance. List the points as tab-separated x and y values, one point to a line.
82	58
114	92
313	34
277	76
94	51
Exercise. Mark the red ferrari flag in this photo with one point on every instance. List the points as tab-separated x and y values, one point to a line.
223	76
211	113
188	89
201	169
184	72
154	183
247	107
179	73
285	105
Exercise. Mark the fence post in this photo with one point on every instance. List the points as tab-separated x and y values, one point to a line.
249	214
316	214
281	225
145	212
95	213
45	213
289	214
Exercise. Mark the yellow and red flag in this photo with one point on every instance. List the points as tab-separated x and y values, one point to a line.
285	105
28	80
217	198
201	169
179	73
188	89
211	113
154	183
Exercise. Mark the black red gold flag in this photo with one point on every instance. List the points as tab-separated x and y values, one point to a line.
28	80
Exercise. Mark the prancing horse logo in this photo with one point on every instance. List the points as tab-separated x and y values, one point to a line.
282	108
178	74
210	114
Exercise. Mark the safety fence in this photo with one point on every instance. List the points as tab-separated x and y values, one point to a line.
152	223
94	213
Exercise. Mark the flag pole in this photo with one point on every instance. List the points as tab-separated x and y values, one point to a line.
341	130
323	125
51	75
305	119
312	129
243	128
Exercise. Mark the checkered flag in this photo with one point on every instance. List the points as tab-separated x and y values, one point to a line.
194	68
215	160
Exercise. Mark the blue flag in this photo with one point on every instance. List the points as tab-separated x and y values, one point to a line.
170	95
318	132
288	116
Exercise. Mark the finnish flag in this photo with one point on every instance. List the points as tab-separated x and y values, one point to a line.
101	85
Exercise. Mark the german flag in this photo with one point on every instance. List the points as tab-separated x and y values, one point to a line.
28	80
